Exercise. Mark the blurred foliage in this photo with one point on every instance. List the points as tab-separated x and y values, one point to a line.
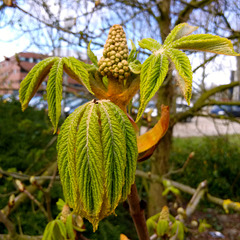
24	137
216	160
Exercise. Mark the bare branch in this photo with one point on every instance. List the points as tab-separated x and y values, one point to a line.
186	189
9	225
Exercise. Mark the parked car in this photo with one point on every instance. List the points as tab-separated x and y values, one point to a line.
226	110
38	102
181	107
8	97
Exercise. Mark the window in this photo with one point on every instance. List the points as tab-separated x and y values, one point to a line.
23	59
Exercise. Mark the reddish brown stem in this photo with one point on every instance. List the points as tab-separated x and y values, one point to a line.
137	214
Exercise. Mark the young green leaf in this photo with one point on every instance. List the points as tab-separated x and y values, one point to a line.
55	230
77	71
60	230
177	229
151	226
153	72
206	43
54	92
184	69
32	81
89	164
179	31
114	152
48	232
133	54
105	81
60	203
92	56
131	151
150	44
89	67
69	227
162	227
66	156
135	66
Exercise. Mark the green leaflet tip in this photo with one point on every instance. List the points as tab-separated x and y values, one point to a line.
24	106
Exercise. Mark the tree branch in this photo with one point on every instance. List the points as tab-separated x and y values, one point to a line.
201	102
22	196
8	224
186	189
137	214
183	16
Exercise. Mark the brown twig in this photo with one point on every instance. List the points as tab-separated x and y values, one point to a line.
180	170
36	202
48	196
137	214
22	196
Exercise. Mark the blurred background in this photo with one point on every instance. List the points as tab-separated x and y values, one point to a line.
207	130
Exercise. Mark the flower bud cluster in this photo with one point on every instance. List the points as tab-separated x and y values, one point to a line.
114	60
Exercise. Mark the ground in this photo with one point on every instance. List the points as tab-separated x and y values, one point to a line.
227	224
201	126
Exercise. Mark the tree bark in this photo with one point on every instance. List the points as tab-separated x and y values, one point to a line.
137	214
159	166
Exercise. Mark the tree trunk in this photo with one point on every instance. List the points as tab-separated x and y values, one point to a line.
159	166
159	163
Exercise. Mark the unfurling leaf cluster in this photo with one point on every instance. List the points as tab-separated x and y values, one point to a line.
165	225
97	156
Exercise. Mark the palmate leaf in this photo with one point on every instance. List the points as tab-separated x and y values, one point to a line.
184	69
92	56
77	71
54	92
178	32
33	80
97	154
153	72
150	44
206	43
177	39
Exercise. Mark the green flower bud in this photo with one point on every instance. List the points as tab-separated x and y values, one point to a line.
121	71
114	61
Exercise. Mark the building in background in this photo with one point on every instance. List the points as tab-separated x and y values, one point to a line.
14	69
